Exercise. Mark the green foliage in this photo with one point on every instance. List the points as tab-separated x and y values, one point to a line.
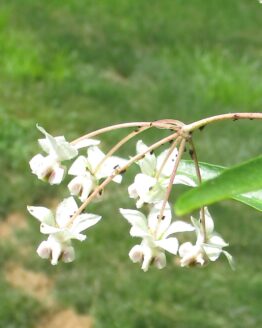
209	171
15	314
245	177
74	66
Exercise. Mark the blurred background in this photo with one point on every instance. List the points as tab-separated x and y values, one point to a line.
77	65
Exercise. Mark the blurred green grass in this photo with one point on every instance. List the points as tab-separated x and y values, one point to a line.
76	66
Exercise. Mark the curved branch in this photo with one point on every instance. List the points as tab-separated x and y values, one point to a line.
230	116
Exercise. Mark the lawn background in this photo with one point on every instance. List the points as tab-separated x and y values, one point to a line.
75	66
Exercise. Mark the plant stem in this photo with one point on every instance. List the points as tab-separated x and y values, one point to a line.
230	116
170	151
119	171
172	178
162	124
120	144
193	155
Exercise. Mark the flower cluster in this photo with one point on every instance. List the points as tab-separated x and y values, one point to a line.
67	223
150	185
156	233
91	172
60	230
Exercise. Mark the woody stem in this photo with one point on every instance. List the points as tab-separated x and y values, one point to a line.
170	151
161	124
193	155
230	116
172	178
120	144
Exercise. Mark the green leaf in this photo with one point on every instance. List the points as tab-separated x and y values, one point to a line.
222	184
209	171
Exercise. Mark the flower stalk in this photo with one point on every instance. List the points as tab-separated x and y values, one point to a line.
121	170
193	155
172	178
168	124
120	144
217	118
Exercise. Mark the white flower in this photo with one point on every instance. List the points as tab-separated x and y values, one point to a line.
204	249
56	250
150	185
88	172
155	235
84	182
49	168
60	229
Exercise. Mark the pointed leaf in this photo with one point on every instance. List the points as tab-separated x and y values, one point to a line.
242	178
186	169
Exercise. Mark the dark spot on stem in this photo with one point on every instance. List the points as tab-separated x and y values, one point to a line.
116	166
138	128
202	127
235	117
151	152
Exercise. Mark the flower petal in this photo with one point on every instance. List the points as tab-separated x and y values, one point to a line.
185	249
49	229
148	255
94	157
178	226
230	260
65	210
57	146
84	221
160	260
81	186
217	240
138	232
191	255
208	221
44	250
42	214
57	175
148	163
185	180
136	253
148	189
213	252
154	222
86	143
79	166
169	165
51	248
109	166
47	168
135	218
132	191
68	254
168	244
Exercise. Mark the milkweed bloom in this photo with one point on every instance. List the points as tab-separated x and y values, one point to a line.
61	230
157	235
